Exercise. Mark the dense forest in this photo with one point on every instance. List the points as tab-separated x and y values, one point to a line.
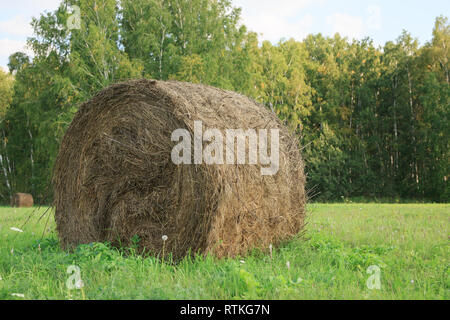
371	121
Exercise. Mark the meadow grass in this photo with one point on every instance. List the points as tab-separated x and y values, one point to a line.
408	242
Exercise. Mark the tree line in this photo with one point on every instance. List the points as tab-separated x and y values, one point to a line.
372	121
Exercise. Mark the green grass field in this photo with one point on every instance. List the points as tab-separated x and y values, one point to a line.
409	243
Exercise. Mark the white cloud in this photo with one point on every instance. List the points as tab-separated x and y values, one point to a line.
20	14
17	26
8	47
277	19
346	25
30	7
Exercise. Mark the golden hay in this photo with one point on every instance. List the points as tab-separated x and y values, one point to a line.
114	177
22	200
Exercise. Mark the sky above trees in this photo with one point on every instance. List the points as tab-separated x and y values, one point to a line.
382	20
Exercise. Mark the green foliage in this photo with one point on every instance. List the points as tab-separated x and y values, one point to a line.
190	40
17	61
6	92
6	96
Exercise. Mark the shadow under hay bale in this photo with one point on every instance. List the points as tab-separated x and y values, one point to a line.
114	177
22	200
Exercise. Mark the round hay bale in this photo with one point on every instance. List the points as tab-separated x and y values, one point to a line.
114	178
22	200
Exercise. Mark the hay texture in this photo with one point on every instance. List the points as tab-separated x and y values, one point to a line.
114	177
22	200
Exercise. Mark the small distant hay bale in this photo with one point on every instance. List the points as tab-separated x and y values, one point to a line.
114	178
22	200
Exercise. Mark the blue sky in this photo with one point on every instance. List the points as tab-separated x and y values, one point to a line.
382	20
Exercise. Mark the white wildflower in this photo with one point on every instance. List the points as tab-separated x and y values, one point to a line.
164	238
